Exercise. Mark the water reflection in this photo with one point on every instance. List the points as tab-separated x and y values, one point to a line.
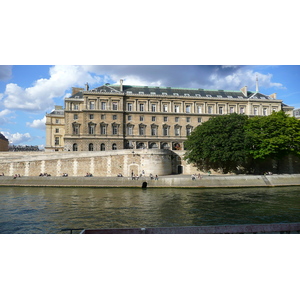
48	210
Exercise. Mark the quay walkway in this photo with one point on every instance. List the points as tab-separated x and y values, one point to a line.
174	181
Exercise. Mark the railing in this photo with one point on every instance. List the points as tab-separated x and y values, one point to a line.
278	228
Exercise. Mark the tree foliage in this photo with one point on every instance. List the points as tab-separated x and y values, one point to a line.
218	144
236	142
274	136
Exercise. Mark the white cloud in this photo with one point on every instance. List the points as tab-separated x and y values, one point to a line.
3	114
39	97
38	124
18	138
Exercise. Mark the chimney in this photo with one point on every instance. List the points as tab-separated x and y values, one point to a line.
121	85
244	91
87	87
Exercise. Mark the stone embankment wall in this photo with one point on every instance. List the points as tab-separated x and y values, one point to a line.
175	181
104	164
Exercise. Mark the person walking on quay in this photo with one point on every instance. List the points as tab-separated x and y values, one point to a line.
156	177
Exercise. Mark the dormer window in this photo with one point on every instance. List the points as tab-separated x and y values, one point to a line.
186	94
164	94
208	95
219	96
175	94
198	95
141	93
152	93
229	97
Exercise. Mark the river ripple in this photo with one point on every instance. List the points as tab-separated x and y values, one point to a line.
48	210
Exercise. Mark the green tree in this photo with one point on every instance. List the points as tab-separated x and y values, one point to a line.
273	136
219	144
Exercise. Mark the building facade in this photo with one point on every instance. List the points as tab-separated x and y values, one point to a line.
55	129
3	143
114	117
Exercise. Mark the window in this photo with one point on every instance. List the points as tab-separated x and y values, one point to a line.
91	116
177	130
91	147
56	141
91	128
56	130
219	96
103	129
141	118
186	94
197	95
103	105
142	130
199	109
242	110
231	109
92	105
75	106
176	108
75	147
255	111
208	96
188	119
199	120
114	117
129	106
141	93
153	107
130	130
221	110
188	109
264	111
176	119
154	130
165	130
209	109
103	117
115	106
165	119
75	117
129	118
114	146
152	93
57	121
229	97
175	94
114	129
102	147
153	119
129	92
188	131
164	94
75	129
142	107
165	107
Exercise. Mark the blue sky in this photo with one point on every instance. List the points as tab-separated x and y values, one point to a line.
27	92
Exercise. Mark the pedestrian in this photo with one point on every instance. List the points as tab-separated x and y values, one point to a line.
156	177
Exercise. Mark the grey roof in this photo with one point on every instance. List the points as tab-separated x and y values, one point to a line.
2	137
171	91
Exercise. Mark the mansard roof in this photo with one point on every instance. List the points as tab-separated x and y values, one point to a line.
174	91
2	137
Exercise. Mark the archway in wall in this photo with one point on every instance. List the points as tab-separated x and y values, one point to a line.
179	169
75	147
102	147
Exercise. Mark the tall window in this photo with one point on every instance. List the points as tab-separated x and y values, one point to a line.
115	106
129	106
231	109
188	109
56	141
142	106
114	146
91	116
221	110
176	108
209	109
115	129
91	128
75	116
153	119
91	147
75	106
188	130
153	107
154	130
255	111
130	130
103	105
242	110
176	119
142	130
92	104
75	129
165	107
265	111
75	147
102	147
177	130
103	129
199	109
166	130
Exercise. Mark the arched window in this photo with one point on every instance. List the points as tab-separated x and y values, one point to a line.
153	146
102	147
75	147
165	146
91	147
114	146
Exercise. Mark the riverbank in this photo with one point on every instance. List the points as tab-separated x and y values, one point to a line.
174	181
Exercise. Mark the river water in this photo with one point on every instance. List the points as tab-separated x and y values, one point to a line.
49	210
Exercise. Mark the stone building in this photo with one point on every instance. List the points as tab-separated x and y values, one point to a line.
114	117
3	143
55	129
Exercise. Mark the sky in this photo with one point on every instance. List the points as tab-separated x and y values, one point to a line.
28	92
